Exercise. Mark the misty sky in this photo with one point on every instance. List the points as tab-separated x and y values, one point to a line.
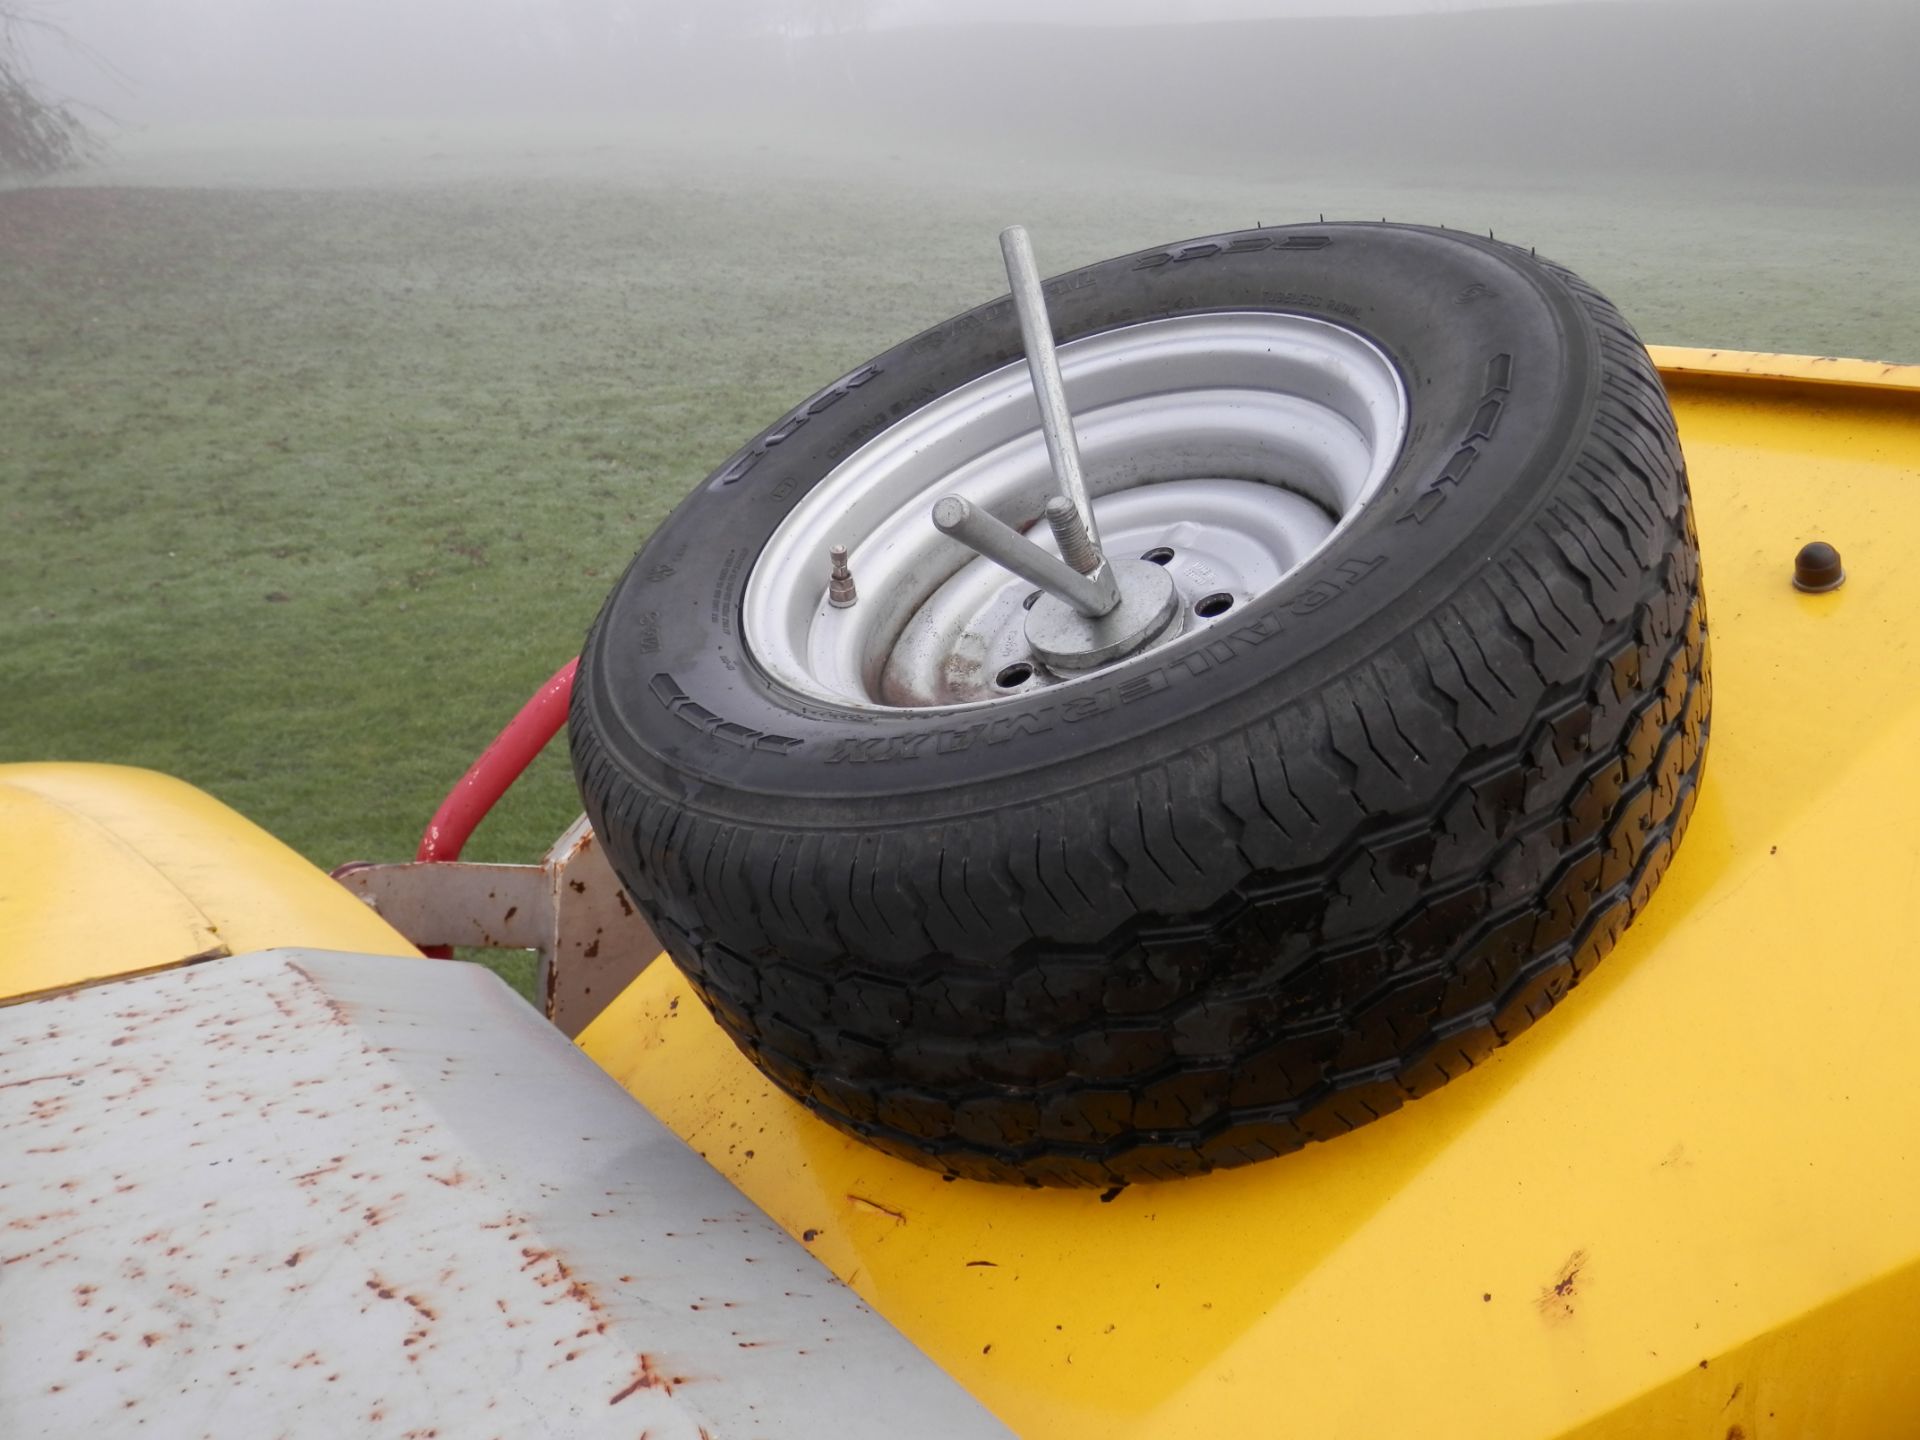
153	61
122	30
1156	12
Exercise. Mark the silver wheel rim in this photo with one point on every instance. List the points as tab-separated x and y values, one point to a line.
1240	442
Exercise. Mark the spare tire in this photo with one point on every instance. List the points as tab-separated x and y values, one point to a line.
1362	820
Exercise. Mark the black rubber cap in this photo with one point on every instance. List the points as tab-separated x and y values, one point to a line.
1817	567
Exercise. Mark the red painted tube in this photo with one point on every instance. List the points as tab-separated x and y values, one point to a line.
488	778
499	765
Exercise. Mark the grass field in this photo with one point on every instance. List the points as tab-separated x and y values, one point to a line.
319	451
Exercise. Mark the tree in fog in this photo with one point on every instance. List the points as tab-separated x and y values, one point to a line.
833	17
39	133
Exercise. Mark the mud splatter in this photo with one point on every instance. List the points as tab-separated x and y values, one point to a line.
1557	1298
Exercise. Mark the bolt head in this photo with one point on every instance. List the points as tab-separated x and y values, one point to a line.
1817	568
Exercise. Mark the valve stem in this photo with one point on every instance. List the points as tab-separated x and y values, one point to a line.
840	591
1076	547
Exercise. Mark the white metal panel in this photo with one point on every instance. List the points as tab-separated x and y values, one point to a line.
310	1194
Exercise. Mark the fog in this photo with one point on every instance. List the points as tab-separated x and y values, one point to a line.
1673	85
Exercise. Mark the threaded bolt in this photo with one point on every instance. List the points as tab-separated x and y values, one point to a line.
1070	533
840	591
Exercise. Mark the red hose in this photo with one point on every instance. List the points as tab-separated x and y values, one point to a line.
499	765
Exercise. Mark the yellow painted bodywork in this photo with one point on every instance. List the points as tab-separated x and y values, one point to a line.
108	871
1685	1204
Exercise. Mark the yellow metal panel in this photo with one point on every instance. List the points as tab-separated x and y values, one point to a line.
1688	1203
1682	366
54	928
106	871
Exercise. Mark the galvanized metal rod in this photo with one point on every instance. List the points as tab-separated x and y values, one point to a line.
1036	333
1076	547
1006	546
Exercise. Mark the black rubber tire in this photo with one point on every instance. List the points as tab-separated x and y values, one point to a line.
1257	887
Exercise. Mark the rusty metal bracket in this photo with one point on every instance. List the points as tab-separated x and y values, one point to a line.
569	908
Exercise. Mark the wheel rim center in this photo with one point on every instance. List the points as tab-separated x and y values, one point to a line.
1068	643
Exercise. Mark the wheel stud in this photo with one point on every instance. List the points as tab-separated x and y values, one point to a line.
1070	533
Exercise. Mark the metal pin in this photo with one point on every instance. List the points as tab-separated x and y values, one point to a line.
1036	333
1071	535
1092	595
840	591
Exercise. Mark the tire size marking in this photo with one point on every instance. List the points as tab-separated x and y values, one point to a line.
1225	647
874	424
1294	300
721	614
998	312
1480	427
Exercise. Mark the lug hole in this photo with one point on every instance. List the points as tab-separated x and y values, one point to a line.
1159	555
1030	601
1208	606
1016	674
